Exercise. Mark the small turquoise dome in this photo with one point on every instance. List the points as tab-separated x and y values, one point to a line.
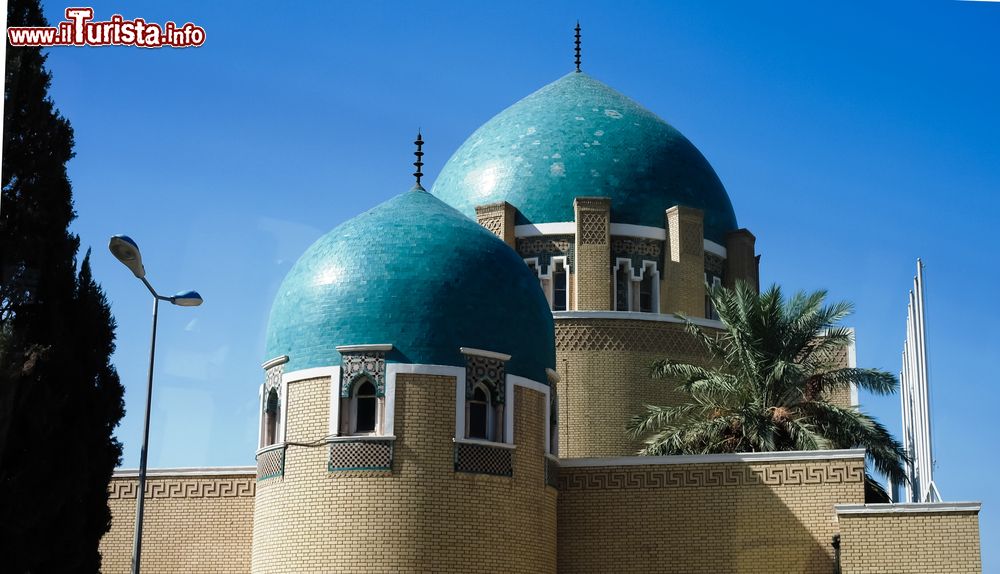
579	137
418	274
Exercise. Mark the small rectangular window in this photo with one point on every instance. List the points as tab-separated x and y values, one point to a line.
559	287
366	414
646	292
622	286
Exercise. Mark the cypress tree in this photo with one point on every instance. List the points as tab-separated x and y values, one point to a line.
60	397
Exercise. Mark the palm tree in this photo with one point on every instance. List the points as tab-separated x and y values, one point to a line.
765	389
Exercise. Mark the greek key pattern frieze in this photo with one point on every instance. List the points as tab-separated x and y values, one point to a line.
593	227
221	487
370	363
640	336
728	475
485	370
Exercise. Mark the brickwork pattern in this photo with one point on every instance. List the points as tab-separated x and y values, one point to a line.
910	543
498	218
191	524
414	518
698	518
593	254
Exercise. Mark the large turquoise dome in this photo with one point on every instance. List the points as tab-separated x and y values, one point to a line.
579	137
415	273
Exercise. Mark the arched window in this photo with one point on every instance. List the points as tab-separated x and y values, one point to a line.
361	408
271	418
480	414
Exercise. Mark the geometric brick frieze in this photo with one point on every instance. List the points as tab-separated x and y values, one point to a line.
215	487
593	228
671	476
625	335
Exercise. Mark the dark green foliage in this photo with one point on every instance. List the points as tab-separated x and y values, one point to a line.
766	388
60	397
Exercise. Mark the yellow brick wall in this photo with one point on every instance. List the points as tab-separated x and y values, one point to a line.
911	543
603	366
741	261
421	517
593	254
191	524
698	518
685	273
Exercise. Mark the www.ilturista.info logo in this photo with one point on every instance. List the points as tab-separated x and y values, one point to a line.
79	30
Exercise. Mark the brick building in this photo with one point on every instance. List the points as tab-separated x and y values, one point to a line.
449	376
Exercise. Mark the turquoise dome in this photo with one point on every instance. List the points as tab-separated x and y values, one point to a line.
418	274
579	137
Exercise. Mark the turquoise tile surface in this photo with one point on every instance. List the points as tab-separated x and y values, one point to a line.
579	137
418	274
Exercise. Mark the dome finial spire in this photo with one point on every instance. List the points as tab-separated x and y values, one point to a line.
577	45
419	163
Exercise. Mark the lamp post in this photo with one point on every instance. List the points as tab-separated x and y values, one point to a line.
126	251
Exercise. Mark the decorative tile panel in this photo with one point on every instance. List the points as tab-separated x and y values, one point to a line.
272	378
488	371
271	463
637	250
483	459
362	454
714	265
370	363
546	247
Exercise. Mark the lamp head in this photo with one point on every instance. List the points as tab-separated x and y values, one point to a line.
187	299
126	251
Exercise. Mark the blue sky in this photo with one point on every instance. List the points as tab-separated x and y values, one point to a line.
852	137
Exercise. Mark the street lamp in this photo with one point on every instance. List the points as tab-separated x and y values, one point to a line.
126	251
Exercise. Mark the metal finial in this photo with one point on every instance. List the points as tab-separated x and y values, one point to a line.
577	45
419	163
